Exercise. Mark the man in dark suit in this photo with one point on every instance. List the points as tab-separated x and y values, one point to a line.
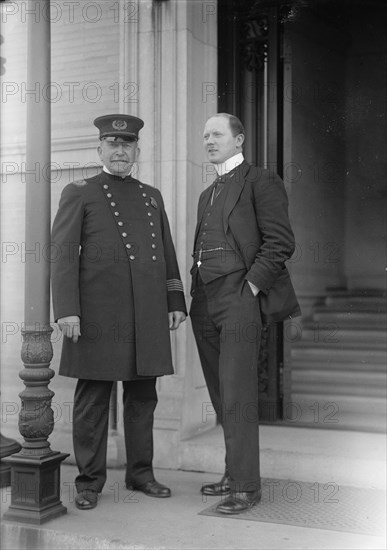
239	279
116	294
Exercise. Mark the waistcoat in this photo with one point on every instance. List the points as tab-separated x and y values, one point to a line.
213	253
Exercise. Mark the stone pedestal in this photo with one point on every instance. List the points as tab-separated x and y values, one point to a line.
8	447
35	484
35	470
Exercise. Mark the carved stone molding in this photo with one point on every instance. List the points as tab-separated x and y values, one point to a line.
36	420
253	40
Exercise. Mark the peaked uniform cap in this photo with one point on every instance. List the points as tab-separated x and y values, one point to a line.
125	126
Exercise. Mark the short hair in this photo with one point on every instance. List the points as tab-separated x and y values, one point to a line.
236	125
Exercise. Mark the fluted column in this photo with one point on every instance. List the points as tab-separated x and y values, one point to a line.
35	470
8	446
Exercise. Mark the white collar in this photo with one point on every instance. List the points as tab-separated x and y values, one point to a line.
111	173
228	165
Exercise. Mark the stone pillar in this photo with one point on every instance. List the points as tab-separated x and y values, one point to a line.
173	66
8	446
35	470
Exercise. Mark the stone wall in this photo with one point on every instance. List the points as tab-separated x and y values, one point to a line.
144	58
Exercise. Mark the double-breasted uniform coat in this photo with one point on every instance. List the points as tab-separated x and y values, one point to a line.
115	268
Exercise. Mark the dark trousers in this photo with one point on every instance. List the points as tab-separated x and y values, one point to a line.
90	431
227	326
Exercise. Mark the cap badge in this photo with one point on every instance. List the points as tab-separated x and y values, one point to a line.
119	124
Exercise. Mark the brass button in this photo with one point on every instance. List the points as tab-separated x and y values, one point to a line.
112	204
131	257
154	258
109	195
128	246
149	213
106	186
151	224
153	235
124	234
144	194
116	213
153	246
140	186
147	204
120	224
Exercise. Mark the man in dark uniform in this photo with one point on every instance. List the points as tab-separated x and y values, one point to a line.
116	294
243	238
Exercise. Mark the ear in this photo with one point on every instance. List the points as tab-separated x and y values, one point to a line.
239	140
99	151
138	151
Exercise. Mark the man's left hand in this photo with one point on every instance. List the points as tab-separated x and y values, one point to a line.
175	318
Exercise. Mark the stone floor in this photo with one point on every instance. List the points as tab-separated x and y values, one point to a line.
125	520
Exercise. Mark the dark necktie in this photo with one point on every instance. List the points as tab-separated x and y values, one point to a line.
218	185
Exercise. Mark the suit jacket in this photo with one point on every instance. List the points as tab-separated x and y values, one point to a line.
257	228
116	269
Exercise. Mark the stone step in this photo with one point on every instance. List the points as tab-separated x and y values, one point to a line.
336	392
333	415
368	306
372	301
332	365
331	333
337	343
19	537
339	360
307	454
353	319
360	382
325	354
337	412
345	404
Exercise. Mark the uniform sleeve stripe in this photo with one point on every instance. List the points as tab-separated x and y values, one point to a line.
174	285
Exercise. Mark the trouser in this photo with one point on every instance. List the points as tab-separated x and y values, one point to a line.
227	326
90	431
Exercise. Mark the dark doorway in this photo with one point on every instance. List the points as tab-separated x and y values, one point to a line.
307	79
250	82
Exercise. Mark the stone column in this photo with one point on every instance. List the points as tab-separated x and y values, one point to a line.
177	93
8	446
35	470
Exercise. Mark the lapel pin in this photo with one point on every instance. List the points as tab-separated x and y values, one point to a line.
153	202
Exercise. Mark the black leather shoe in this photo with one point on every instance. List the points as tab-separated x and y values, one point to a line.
217	489
86	499
239	502
152	489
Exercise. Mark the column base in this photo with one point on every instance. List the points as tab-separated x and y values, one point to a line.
5	474
35	488
8	447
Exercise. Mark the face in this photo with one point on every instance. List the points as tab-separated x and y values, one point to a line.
118	156
219	143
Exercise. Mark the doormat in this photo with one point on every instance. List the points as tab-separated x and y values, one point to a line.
315	506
